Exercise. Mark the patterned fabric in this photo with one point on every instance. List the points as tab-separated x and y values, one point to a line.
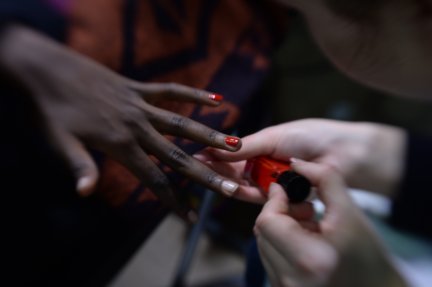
222	46
214	45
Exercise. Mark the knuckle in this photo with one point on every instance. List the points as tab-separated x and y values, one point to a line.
263	220
179	156
328	172
212	178
212	135
158	180
172	88
197	92
180	122
121	139
133	114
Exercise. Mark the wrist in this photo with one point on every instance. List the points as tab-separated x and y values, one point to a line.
390	144
381	164
365	261
22	52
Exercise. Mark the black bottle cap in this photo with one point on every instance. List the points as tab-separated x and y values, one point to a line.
296	186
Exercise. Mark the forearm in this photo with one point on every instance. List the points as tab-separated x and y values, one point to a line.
9	70
365	254
21	49
33	59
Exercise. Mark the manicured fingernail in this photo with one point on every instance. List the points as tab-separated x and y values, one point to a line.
229	187
84	185
216	97
232	141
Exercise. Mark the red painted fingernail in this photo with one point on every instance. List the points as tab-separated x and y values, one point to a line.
232	141
216	97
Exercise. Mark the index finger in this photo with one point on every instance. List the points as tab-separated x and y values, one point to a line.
331	188
274	213
261	143
174	91
277	201
177	125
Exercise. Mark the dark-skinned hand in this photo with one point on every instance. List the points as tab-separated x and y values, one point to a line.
84	104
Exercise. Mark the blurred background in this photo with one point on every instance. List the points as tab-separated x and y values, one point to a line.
302	84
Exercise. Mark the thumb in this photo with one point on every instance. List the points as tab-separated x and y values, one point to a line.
253	145
330	185
277	201
79	161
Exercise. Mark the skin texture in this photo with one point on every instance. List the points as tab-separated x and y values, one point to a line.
369	156
84	104
297	250
383	44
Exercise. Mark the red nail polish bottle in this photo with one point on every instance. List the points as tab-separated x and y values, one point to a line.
264	170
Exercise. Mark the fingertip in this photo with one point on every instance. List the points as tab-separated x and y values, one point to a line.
274	189
220	154
250	194
316	173
302	167
233	143
216	98
86	185
229	187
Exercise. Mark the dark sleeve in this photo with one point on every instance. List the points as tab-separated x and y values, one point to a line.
412	206
37	14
